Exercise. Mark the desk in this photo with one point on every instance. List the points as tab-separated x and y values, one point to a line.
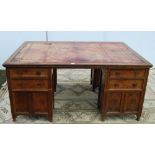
31	73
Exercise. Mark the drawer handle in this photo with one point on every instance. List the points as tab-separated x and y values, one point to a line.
116	85
18	72
39	84
134	85
38	73
20	84
117	73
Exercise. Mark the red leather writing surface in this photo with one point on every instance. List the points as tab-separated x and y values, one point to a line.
80	53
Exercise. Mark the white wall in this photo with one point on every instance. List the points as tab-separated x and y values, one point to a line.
76	36
10	41
142	42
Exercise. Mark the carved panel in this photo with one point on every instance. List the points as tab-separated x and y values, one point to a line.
113	101
132	101
40	102
21	102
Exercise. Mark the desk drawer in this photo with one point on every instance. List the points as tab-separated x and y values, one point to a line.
29	84
129	73
15	73
125	84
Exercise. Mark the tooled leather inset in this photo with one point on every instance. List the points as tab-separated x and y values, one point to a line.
76	52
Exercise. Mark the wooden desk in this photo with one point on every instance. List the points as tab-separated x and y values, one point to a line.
30	75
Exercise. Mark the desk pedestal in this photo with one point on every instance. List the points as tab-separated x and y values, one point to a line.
122	91
31	91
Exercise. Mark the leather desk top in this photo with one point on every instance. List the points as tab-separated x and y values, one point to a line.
75	54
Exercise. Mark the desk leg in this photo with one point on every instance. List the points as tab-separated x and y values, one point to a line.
99	92
50	118
102	94
51	105
103	117
55	78
14	117
51	95
138	117
95	78
91	76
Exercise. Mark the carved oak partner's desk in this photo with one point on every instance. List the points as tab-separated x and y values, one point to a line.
30	75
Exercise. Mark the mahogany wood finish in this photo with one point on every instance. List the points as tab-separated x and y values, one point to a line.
120	73
122	94
55	78
31	91
95	78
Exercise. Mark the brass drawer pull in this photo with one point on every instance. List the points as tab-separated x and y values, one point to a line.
134	85
38	73
18	72
117	73
39	84
116	85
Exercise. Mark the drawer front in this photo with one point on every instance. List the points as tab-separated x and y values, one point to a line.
14	73
125	84
40	102
21	102
138	73
132	101
113	101
29	84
